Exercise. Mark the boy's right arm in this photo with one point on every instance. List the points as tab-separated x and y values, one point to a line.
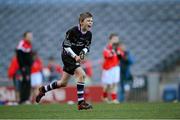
67	45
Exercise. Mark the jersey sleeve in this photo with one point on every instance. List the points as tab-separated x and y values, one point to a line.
88	43
68	39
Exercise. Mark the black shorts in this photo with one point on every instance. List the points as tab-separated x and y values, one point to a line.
69	63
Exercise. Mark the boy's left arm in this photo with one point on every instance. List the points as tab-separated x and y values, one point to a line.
86	49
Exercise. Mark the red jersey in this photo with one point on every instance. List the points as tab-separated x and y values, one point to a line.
13	67
37	65
25	46
110	57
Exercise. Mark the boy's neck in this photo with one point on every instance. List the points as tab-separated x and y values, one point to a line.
83	31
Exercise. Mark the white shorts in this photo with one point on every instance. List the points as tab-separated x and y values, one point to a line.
111	76
36	79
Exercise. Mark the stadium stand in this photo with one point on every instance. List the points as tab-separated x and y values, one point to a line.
150	29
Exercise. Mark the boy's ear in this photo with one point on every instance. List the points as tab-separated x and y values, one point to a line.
80	21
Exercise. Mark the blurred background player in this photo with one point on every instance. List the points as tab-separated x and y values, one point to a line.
24	58
75	46
111	70
36	74
126	76
55	70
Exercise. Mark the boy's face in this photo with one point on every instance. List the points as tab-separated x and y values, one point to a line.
87	24
114	39
29	36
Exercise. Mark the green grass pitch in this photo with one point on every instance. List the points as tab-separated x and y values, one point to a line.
99	111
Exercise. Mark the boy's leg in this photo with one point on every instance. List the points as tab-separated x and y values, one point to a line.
53	85
80	76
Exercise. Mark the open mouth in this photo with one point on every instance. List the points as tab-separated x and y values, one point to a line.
89	26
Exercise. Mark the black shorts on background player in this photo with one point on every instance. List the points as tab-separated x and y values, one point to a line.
77	41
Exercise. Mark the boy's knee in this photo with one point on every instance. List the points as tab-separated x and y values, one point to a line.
81	78
63	84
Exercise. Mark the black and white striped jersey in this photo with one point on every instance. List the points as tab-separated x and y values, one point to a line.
77	40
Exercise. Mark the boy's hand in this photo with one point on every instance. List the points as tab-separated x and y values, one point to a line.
78	59
82	55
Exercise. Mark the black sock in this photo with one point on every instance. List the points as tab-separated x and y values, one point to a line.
80	92
51	86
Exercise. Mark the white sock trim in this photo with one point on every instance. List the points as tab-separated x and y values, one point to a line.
80	99
51	86
80	83
80	92
45	87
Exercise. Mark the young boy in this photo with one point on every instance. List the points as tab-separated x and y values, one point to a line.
75	46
